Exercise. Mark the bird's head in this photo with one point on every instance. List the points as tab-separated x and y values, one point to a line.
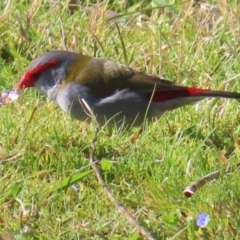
44	69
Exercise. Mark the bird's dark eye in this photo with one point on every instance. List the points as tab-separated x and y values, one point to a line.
35	75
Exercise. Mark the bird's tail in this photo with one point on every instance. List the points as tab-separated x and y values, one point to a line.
163	96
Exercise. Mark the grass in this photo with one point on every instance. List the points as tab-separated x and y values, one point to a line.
43	152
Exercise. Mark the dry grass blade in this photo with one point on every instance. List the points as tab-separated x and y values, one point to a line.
12	157
28	123
23	210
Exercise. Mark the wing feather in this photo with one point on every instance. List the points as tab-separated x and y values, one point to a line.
104	77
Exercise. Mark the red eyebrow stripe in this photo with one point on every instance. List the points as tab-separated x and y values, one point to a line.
30	77
45	66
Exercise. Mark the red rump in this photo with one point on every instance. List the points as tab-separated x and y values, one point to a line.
163	96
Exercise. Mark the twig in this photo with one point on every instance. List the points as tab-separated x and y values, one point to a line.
100	178
192	188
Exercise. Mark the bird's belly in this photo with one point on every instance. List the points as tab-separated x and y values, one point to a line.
123	107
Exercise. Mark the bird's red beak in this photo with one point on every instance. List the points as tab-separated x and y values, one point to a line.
20	84
25	81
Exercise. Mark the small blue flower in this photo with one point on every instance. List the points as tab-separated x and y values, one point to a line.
202	220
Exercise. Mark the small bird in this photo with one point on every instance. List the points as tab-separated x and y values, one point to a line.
114	92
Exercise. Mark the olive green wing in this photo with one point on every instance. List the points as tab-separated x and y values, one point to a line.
104	77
